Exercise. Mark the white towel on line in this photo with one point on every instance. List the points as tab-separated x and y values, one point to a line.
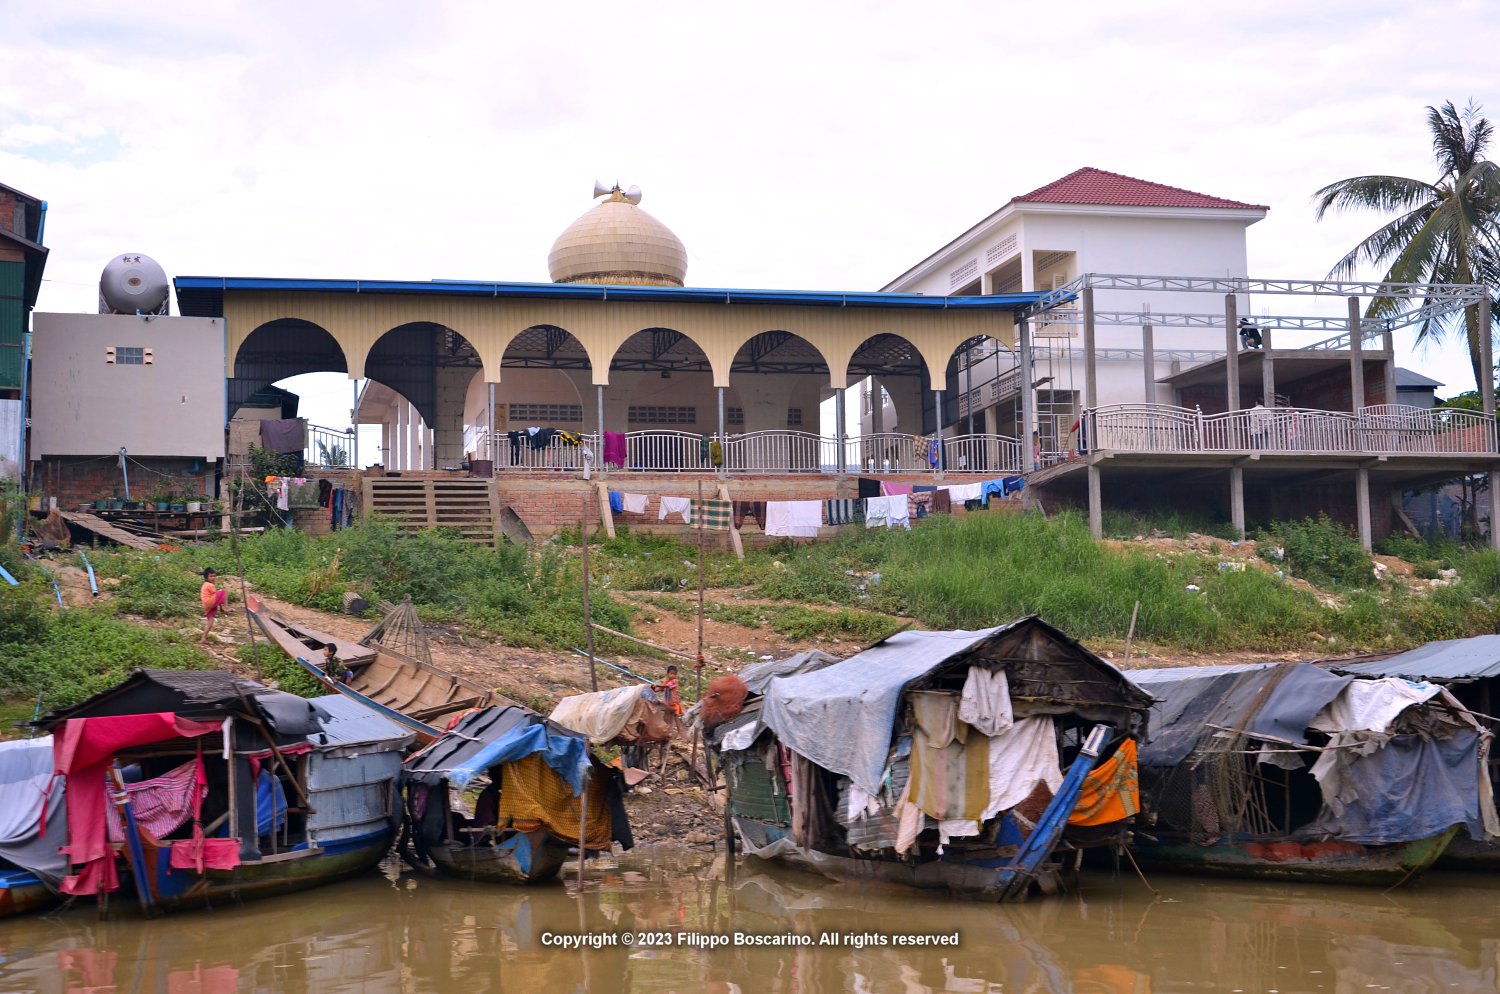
677	505
965	491
888	511
794	518
634	503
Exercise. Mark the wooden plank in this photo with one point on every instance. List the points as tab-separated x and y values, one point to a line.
734	533
606	515
104	529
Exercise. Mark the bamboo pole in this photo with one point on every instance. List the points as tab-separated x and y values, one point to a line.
650	645
1130	635
588	617
698	660
239	565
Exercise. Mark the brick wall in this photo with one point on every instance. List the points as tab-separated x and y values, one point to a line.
76	480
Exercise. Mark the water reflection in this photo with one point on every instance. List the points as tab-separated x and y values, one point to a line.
403	933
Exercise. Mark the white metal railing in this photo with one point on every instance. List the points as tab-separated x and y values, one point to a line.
982	454
520	450
1379	430
887	452
781	451
329	448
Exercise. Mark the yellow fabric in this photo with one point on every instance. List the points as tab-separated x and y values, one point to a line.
949	780
530	790
1112	792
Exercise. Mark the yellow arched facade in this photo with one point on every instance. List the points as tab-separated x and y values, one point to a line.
357	322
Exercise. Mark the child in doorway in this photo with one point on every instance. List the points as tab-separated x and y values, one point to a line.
214	598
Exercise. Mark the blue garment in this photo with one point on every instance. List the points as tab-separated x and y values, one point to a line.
616	502
992	487
270	803
1013	484
934	453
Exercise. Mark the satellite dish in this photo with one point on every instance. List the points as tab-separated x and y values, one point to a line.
133	284
633	195
600	190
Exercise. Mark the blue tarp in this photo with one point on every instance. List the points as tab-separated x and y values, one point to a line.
270	804
1413	787
841	716
495	735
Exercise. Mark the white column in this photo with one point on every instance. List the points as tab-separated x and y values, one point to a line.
1232	352
1028	398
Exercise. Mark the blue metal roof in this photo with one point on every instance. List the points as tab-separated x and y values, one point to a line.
348	722
202	296
1475	658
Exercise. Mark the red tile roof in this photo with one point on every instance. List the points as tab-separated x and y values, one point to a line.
1095	186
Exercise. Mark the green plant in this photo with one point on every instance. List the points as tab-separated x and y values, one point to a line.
1324	553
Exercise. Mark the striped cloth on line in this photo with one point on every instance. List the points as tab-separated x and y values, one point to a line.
844	511
713	515
160	805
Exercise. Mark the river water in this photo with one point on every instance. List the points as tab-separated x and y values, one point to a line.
399	932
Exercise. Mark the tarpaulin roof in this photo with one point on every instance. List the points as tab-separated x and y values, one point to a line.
758	676
1264	700
201	694
1475	658
495	735
27	839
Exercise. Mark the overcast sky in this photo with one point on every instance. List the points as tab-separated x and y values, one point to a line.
789	145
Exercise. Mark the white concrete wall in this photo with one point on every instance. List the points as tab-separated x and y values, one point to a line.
83	405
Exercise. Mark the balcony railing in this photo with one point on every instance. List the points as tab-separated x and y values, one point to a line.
329	448
1383	429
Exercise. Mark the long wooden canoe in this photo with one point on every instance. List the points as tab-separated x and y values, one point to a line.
413	693
1325	862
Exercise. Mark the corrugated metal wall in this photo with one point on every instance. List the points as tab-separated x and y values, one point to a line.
12	322
353	796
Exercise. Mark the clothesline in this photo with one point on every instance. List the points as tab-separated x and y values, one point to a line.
881	504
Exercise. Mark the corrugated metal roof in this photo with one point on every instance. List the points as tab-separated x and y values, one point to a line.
1411	378
1475	658
1172	674
202	296
348	722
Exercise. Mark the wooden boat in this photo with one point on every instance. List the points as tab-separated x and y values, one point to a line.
22	891
32	827
862	769
502	795
1293	772
1328	861
227	773
409	691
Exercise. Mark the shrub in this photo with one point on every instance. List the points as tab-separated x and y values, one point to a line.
1324	554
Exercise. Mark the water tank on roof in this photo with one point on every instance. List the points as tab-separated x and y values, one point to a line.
133	284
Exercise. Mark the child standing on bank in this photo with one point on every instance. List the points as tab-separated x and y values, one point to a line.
668	690
214	598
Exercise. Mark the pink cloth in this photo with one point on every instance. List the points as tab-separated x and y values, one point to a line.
160	804
209	610
198	853
614	448
895	489
82	754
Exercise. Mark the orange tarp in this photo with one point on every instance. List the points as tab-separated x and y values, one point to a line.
1112	792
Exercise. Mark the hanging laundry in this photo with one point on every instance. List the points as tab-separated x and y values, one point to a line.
1013	484
635	503
616	502
325	493
614	449
843	511
965	492
755	509
992	488
918	504
869	487
794	518
942	503
889	489
985	701
540	438
712	515
934	453
515	445
877	512
570	438
716	452
676	505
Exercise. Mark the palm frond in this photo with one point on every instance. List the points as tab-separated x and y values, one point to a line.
1377	193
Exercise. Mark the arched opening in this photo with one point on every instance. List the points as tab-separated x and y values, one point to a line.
779	381
428	366
661	396
538	408
277	351
982	429
896	408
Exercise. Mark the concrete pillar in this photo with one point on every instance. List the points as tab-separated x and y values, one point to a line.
840	421
937	421
1486	358
1090	357
1231	352
398	432
1148	358
429	449
1028	398
447	444
1388	344
877	406
1096	503
413	438
489	442
1267	370
1237	499
1356	359
1362	506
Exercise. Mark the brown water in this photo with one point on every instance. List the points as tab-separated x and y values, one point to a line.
397	932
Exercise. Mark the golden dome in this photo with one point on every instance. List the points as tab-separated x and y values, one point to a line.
617	242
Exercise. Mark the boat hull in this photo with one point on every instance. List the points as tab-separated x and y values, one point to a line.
1464	853
176	890
22	892
519	859
1321	862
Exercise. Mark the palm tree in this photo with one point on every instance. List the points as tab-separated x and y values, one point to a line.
1445	232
